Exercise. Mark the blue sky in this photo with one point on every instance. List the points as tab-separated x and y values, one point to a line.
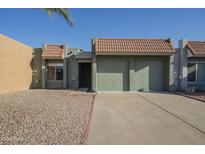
34	27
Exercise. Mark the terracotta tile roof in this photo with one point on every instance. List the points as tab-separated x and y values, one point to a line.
53	52
133	46
197	48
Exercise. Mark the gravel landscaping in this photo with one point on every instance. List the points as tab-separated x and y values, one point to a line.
44	117
194	95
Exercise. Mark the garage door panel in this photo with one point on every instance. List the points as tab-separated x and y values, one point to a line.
109	85
157	76
150	75
112	74
141	78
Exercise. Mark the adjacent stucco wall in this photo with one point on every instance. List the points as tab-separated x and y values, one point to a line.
174	71
183	71
72	68
72	72
37	70
15	62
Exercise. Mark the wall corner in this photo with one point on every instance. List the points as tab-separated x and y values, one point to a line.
183	63
94	67
65	47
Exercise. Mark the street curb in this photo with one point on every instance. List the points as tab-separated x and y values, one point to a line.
85	135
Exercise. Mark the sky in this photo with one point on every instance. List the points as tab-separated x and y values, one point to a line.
34	27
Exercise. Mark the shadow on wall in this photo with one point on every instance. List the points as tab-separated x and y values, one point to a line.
151	74
36	65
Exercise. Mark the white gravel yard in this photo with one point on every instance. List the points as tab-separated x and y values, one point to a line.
44	117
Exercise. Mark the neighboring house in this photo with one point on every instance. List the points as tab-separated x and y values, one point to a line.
113	65
61	67
133	65
192	64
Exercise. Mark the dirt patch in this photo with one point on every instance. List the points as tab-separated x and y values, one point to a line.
44	117
200	96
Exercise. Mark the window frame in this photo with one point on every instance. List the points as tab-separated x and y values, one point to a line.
55	65
196	72
58	67
47	73
192	62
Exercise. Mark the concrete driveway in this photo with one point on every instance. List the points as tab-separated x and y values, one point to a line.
147	118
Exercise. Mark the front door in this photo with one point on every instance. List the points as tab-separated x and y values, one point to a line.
84	75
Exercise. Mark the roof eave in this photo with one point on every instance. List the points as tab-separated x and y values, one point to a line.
44	57
196	56
136	54
190	48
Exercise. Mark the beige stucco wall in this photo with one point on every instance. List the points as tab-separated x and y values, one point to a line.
15	64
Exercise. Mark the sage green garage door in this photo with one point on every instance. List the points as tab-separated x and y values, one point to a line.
150	75
112	74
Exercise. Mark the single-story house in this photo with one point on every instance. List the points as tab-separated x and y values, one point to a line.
132	64
112	65
192	64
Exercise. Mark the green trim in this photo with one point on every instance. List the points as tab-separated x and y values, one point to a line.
94	73
43	73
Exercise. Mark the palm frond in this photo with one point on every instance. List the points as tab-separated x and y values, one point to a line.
65	13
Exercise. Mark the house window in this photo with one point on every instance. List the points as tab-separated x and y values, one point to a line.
51	72
191	72
196	72
201	72
59	73
55	72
